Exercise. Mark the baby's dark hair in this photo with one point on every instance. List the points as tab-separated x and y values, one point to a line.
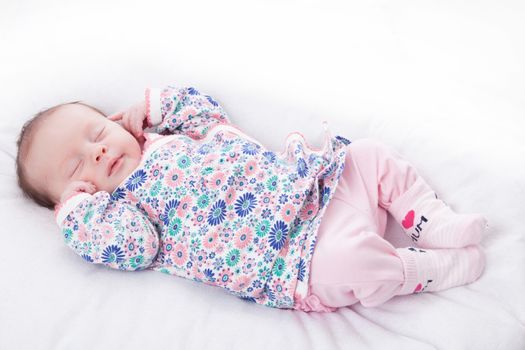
23	144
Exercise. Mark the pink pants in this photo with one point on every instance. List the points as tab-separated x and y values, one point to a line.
352	262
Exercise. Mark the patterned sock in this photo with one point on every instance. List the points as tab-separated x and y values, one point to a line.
430	223
432	270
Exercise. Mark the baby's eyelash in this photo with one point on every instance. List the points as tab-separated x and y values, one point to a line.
76	168
100	133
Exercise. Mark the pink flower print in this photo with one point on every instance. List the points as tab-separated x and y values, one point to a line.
184	206
231	215
210	240
174	178
241	283
82	233
155	172
250	168
132	225
243	237
261	176
147	185
230	196
225	277
226	236
187	112
197	273
219	248
180	254
242	181
199	218
279	288
288	212
176	144
232	156
151	245
301	183
217	180
200	258
308	211
248	265
296	198
267	200
168	246
131	246
210	158
107	232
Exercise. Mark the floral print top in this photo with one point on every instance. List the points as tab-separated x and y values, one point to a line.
211	204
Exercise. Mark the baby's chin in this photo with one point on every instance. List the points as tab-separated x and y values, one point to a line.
126	168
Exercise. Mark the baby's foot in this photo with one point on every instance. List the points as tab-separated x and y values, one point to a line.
430	222
439	227
433	270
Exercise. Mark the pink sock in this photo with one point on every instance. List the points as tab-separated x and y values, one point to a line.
430	223
431	270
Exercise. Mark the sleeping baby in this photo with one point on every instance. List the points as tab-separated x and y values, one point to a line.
201	199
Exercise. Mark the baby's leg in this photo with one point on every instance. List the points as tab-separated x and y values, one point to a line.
352	263
427	220
368	269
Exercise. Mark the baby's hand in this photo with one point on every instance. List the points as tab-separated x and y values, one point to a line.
77	187
133	119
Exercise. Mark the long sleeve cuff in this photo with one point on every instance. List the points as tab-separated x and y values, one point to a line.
63	209
153	111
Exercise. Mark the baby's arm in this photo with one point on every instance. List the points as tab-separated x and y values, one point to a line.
108	231
183	110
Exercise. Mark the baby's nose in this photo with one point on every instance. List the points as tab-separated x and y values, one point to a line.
100	152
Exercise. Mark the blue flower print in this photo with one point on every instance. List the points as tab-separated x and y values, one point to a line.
204	149
278	235
217	213
87	258
250	148
245	204
343	140
119	193
283	198
330	171
193	91
248	299
136	180
269	292
270	156
169	211
266	213
326	194
111	254
301	270
215	104
302	168
210	276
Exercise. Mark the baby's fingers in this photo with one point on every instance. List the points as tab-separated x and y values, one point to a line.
126	121
84	186
116	117
137	125
90	188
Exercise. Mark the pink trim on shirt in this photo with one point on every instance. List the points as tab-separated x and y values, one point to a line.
60	205
147	97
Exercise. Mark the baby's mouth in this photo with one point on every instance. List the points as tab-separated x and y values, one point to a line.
114	165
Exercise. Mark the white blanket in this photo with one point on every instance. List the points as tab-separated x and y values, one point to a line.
441	82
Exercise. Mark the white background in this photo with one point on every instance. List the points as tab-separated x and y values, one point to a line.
443	82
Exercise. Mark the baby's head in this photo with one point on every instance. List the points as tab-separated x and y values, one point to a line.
69	142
